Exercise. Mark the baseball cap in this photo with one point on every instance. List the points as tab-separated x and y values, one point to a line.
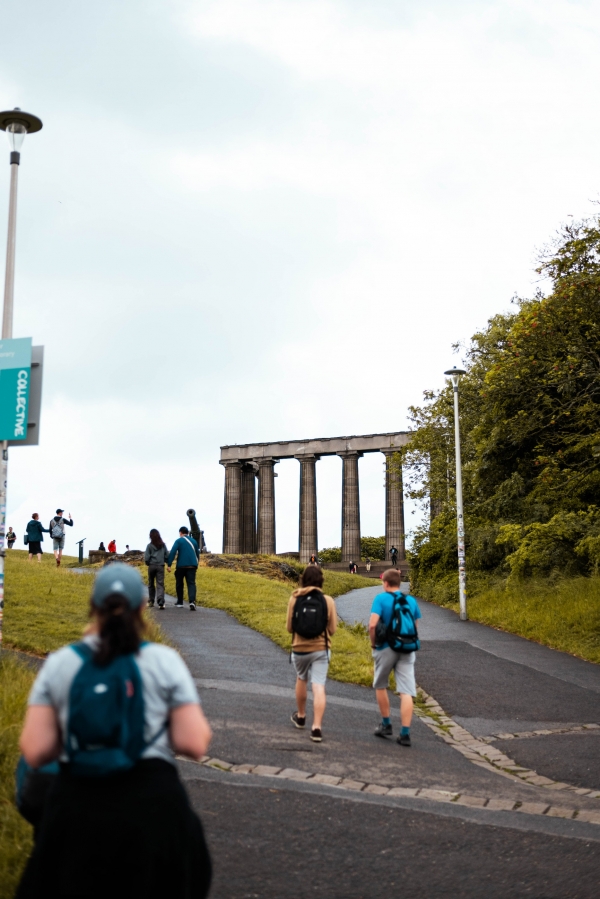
59	511
120	580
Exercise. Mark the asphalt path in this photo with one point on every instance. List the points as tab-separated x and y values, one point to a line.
272	839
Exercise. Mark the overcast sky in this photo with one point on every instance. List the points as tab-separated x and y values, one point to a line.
256	220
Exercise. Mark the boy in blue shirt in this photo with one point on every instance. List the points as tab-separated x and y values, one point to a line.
187	552
386	660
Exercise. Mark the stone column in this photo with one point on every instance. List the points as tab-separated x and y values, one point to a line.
232	511
249	507
307	531
394	506
266	506
350	508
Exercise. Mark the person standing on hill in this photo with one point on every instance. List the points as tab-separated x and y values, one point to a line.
155	558
10	538
394	556
112	546
35	535
57	532
187	552
312	621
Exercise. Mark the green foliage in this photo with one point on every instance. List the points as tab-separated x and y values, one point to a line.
371	547
333	554
530	433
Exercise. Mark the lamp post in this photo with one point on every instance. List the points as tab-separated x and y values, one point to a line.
455	374
17	124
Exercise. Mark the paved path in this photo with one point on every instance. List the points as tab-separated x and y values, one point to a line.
358	843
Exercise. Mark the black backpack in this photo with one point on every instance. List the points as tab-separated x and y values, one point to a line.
309	619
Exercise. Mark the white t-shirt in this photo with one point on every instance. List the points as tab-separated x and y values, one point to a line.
166	685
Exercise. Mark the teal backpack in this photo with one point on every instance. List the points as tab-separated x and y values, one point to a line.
105	730
401	633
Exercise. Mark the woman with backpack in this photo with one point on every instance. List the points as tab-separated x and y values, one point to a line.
312	620
35	535
155	557
114	710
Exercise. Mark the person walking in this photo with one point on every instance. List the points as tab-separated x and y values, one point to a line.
112	546
10	538
387	660
57	532
115	709
155	558
394	556
187	552
35	535
312	621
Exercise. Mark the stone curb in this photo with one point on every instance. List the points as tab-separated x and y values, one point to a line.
480	753
343	783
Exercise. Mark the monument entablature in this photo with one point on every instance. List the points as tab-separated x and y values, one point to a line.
248	529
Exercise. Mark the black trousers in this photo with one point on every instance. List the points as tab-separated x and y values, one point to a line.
156	583
189	575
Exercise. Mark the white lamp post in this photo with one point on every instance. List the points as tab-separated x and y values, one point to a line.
454	374
17	124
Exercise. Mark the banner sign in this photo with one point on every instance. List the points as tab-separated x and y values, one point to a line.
15	376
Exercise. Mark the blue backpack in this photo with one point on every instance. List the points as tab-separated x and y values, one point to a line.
105	730
401	633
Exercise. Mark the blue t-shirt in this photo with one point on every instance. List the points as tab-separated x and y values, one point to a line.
383	605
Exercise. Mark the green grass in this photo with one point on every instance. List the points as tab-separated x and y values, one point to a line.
47	607
261	604
15	833
563	613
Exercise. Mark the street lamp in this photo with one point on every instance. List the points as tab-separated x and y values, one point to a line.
17	124
455	374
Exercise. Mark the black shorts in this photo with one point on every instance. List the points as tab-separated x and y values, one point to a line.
35	547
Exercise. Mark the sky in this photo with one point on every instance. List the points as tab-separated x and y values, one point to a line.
259	220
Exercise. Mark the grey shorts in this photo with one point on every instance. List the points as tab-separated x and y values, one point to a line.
313	663
58	543
403	666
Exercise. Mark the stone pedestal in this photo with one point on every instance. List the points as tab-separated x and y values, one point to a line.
232	512
248	539
307	531
266	506
394	507
350	507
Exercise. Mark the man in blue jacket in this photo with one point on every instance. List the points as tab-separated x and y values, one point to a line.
186	550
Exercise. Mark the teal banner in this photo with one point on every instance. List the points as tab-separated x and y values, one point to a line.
15	376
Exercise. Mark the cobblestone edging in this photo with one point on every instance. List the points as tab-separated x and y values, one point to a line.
356	786
522	735
483	755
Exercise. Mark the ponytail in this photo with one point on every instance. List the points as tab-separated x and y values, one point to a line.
120	629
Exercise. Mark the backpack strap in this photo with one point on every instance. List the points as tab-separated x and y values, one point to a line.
83	650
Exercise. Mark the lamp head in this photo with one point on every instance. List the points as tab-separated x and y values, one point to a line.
17	124
455	374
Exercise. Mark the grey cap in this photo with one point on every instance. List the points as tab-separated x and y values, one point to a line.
119	579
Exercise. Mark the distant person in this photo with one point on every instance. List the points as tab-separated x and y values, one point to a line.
102	547
127	547
35	535
368	563
114	710
312	621
57	532
112	546
10	538
187	552
351	567
313	560
394	556
387	659
155	558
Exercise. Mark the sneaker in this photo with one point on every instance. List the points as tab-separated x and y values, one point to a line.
161	605
179	605
383	730
297	721
192	607
150	605
404	740
316	735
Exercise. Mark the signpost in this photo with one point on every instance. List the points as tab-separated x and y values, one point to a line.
15	378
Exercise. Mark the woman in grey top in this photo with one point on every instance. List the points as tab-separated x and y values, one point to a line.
155	558
128	831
